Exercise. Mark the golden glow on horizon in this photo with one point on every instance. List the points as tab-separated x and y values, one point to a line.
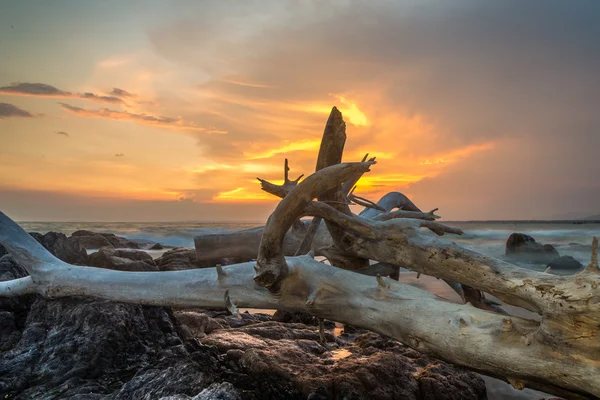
302	145
352	114
242	194
245	136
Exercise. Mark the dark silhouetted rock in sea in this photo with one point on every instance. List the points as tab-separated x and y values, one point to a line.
156	246
525	248
122	260
565	262
92	240
59	245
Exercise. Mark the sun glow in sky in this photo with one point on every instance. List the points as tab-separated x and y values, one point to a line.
169	110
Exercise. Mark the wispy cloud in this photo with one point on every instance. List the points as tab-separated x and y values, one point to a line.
63	133
10	110
44	90
120	93
147	119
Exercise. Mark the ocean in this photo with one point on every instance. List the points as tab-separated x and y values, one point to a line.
487	237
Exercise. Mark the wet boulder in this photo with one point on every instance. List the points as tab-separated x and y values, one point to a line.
59	245
178	259
122	260
525	248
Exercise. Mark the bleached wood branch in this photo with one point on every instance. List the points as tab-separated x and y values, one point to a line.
270	263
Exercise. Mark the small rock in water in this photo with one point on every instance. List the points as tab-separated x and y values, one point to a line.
157	246
92	240
565	262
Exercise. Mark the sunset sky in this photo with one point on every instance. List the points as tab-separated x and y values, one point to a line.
169	110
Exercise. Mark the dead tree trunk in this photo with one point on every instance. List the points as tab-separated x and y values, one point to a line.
559	354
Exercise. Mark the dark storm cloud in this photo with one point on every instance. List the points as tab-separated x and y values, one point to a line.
10	110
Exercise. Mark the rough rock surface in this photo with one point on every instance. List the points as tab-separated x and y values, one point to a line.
92	240
177	259
525	247
373	367
122	260
59	245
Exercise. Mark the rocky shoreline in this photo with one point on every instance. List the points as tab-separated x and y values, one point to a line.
87	349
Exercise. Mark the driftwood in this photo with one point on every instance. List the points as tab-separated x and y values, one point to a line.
559	354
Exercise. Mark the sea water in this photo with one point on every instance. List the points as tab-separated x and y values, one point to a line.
487	237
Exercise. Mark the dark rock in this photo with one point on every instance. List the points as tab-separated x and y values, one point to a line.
524	247
565	262
303	318
177	259
157	246
59	245
443	382
219	391
78	348
9	269
13	310
92	240
377	367
74	346
122	260
300	317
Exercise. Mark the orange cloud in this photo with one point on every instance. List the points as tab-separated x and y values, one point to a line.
456	155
